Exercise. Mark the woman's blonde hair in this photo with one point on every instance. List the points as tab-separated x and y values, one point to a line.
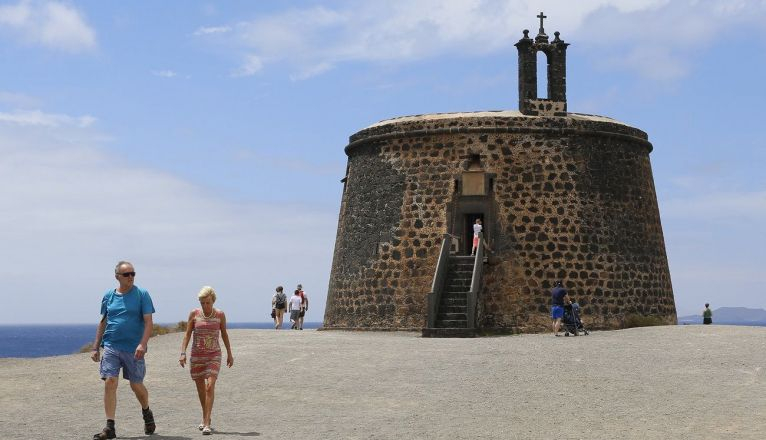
205	292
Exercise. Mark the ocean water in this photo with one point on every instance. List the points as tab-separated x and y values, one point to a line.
32	340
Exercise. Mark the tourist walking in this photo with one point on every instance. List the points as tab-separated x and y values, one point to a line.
477	227
123	333
207	324
304	306
294	307
278	307
707	315
559	297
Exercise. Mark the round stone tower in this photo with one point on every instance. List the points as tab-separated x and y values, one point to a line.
562	196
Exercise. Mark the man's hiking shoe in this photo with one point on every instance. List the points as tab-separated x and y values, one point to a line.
105	434
149	425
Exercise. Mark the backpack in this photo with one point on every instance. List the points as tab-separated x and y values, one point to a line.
281	301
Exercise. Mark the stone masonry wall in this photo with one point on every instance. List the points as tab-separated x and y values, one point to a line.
574	200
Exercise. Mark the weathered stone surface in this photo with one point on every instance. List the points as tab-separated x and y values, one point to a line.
573	198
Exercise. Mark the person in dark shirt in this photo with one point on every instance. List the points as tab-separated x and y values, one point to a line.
707	315
559	297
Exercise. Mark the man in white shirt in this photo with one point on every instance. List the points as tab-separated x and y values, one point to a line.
294	307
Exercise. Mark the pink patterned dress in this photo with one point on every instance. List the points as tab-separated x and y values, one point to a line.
206	352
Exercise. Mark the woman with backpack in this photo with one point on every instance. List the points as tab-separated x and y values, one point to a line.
278	307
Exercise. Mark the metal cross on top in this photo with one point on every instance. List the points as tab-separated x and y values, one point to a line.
541	17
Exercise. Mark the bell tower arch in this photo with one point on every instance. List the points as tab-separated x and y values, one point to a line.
555	104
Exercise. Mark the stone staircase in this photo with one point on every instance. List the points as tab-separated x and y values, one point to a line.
452	317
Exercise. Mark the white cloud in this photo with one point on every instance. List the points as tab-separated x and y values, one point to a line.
38	118
69	209
51	24
651	37
312	71
660	42
252	65
212	30
15	15
164	73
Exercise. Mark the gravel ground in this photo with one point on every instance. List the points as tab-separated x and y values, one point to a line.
674	382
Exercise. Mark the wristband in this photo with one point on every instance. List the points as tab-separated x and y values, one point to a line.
183	354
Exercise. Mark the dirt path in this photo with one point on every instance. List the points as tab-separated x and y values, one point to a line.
651	383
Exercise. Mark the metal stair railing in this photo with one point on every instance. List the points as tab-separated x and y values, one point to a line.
476	278
434	297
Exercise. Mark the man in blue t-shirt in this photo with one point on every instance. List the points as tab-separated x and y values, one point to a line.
123	332
559	297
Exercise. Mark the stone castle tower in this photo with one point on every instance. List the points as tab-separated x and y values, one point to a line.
562	196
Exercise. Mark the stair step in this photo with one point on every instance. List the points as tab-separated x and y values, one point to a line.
462	271
452	316
462	294
466	280
452	324
448	333
443	317
452	309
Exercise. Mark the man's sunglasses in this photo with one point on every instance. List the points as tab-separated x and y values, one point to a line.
127	274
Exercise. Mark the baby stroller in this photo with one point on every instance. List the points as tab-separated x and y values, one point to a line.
571	322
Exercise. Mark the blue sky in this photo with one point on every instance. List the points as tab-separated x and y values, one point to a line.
204	140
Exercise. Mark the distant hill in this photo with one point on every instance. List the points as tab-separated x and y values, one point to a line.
730	315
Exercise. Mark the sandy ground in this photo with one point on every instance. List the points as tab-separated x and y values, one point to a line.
678	382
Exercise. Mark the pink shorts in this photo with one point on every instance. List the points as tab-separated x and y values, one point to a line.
475	240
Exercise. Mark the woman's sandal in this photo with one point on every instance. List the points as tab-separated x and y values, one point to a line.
206	430
105	433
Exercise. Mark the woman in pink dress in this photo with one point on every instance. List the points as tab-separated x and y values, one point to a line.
207	324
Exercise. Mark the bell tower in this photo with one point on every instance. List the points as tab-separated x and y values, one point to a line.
555	52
